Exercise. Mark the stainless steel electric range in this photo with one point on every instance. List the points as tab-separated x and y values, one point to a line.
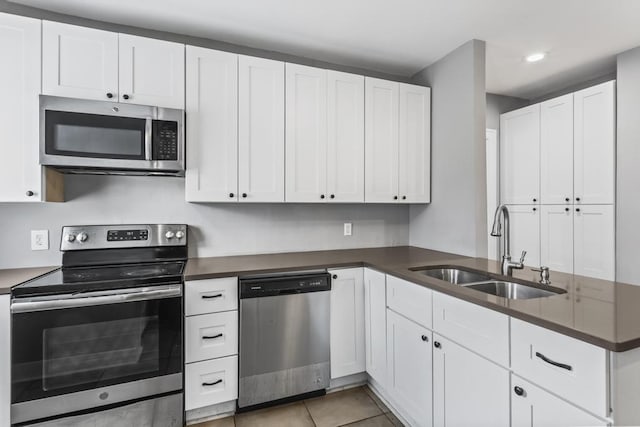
100	341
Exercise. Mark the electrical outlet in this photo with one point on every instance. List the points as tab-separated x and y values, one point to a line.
39	240
347	229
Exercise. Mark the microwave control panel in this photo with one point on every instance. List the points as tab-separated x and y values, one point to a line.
165	140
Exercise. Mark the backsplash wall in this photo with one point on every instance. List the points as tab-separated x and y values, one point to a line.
215	229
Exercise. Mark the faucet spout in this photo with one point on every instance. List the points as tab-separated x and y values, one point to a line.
499	231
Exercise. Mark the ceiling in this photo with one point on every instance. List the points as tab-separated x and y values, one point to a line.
401	37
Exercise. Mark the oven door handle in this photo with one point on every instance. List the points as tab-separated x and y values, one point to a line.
56	302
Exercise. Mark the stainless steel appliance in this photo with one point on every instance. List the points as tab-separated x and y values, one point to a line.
102	337
110	138
284	337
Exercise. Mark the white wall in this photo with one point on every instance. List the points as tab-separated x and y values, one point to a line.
455	221
216	229
499	104
628	168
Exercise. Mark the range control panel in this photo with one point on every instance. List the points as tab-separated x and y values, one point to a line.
122	236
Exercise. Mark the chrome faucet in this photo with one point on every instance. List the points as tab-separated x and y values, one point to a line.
507	265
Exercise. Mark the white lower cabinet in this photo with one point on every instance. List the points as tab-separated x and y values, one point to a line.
210	382
532	406
468	390
375	325
409	369
211	342
347	322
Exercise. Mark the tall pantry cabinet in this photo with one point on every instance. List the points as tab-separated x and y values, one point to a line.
558	158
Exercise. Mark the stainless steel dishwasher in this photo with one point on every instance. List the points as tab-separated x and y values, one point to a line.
284	337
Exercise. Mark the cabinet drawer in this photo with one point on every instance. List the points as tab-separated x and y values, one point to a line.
571	368
410	300
211	382
211	295
211	335
477	328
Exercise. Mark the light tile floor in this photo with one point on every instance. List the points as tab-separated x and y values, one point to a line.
356	407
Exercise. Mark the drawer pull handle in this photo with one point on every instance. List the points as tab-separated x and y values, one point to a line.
211	296
211	337
213	383
551	362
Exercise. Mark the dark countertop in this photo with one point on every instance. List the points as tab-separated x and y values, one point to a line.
14	276
600	312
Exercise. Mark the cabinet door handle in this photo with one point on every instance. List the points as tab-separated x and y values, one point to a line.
404	197
518	390
554	363
566	209
334	277
577	209
30	193
535	200
333	196
125	96
436	344
244	195
395	197
109	95
566	199
211	337
213	383
231	195
424	338
211	296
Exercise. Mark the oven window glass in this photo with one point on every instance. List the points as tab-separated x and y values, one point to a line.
94	135
80	354
68	350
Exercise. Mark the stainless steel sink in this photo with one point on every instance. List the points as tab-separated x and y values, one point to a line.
510	290
455	276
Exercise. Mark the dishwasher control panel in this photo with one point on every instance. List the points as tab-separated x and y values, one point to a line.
284	285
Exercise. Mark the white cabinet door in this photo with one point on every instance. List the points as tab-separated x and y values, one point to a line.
556	150
381	140
531	406
21	177
79	62
345	137
375	325
5	342
414	144
468	390
306	134
594	246
260	130
520	156
347	322
151	71
525	233
595	122
556	237
212	126
409	369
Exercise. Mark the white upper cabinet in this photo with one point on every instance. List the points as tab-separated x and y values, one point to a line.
347	322
306	134
151	72
556	150
260	130
79	62
556	237
381	140
345	137
414	144
212	125
22	179
86	63
594	250
525	233
594	129
520	156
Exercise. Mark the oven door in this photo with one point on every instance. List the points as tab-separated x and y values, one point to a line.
83	351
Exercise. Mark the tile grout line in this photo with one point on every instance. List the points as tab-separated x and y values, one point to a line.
365	419
304	402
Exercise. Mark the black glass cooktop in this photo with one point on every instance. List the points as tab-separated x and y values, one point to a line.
82	279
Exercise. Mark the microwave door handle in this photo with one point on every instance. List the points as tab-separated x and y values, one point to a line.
148	139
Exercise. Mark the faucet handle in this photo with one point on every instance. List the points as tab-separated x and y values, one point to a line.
524	253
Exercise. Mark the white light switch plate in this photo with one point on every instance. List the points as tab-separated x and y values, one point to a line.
39	240
347	229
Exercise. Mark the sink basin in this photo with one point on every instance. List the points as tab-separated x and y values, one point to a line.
510	290
455	276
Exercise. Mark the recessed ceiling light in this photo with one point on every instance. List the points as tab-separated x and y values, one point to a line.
535	57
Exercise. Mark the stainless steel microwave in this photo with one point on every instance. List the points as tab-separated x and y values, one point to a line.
82	136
